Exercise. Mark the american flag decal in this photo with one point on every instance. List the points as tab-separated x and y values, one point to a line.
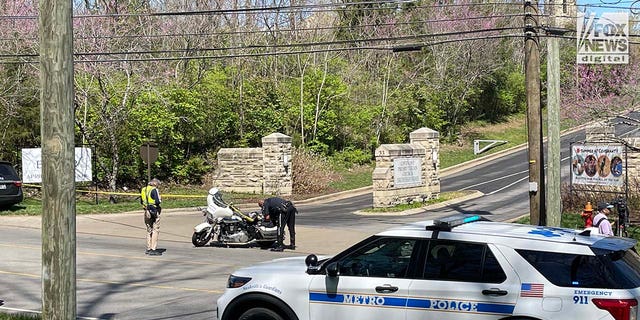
533	290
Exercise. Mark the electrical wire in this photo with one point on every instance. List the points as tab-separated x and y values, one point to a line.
378	48
275	46
253	32
271	9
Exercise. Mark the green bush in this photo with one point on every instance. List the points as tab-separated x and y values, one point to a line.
19	316
192	172
351	156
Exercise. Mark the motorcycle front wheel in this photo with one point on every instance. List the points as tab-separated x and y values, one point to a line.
201	238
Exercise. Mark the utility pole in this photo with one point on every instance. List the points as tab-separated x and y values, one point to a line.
534	114
58	165
553	123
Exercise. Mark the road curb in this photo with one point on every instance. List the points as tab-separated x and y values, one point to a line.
473	195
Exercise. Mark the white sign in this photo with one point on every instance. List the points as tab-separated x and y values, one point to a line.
600	165
604	39
32	165
407	172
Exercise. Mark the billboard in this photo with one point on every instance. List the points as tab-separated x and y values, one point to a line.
601	165
32	165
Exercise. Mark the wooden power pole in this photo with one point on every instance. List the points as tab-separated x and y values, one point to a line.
553	204
58	165
534	114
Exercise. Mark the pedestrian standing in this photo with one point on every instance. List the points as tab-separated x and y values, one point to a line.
150	199
601	221
282	212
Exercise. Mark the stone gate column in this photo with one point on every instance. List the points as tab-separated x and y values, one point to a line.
430	140
599	131
276	149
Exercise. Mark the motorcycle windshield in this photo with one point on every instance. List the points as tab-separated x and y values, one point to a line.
216	199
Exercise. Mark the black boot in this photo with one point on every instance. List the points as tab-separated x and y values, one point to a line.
278	248
292	244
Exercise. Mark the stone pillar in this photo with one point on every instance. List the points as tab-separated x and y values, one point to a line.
385	192
276	156
430	140
599	131
240	170
633	161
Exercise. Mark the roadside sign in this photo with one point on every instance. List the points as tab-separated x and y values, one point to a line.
149	152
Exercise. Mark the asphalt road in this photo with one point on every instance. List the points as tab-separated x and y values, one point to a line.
115	280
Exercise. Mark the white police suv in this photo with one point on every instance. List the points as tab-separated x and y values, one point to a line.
457	268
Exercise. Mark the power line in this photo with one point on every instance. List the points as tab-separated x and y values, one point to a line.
225	33
278	46
380	48
270	9
264	54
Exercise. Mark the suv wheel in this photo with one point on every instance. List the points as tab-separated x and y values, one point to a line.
260	314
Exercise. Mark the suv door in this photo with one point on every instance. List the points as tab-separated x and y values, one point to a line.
372	282
461	280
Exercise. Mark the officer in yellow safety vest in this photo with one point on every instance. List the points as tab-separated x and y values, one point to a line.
150	200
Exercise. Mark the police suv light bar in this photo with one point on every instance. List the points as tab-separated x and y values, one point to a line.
447	223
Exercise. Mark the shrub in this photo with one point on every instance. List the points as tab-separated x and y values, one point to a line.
312	173
191	172
351	156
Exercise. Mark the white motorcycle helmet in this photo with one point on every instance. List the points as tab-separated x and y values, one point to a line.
213	191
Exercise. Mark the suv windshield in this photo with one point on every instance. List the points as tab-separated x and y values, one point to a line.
607	269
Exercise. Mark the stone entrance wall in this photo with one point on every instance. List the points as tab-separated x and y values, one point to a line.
263	170
407	173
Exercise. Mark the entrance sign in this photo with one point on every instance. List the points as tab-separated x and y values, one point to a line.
601	165
407	172
32	165
603	39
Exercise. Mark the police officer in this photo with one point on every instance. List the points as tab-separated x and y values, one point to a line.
281	212
150	200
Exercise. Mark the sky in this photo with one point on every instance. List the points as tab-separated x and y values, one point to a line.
600	6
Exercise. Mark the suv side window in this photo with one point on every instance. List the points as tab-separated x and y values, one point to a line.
384	257
7	172
462	261
608	270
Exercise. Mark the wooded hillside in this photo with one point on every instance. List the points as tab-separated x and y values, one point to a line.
196	76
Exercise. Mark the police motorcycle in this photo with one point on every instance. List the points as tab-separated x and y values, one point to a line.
226	225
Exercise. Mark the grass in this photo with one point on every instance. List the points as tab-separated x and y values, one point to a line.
172	197
514	131
444	196
353	178
19	316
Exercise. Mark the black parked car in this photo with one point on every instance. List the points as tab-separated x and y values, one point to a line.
10	185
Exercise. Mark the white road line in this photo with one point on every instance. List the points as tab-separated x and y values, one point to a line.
39	312
509	185
493	180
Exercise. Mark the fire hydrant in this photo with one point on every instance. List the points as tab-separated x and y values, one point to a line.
587	215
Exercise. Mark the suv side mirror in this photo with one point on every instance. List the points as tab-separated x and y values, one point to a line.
333	269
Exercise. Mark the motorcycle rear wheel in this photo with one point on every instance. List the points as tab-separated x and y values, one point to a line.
201	238
260	314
